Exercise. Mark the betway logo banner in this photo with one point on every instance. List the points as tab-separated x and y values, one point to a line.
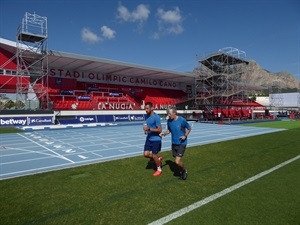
13	121
43	120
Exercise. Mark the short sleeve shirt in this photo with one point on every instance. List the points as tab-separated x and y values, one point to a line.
153	122
177	129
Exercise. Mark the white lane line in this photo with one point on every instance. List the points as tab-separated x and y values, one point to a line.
59	155
83	157
23	153
213	197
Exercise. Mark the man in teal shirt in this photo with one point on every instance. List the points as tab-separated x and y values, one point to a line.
152	129
180	129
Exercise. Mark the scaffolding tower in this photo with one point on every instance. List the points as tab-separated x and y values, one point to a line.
32	60
218	82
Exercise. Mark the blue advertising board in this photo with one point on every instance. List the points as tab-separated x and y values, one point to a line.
67	92
137	117
26	121
49	120
114	94
78	120
87	119
13	121
93	89
41	120
105	118
121	118
133	117
84	98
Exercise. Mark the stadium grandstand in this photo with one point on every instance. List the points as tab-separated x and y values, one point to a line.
35	78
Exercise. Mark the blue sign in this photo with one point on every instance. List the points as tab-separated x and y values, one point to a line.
42	120
137	117
114	94
84	98
87	119
121	118
67	92
79	119
105	118
93	89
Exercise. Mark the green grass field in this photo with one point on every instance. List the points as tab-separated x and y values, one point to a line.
125	192
5	130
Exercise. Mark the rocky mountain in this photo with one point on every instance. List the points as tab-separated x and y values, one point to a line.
253	75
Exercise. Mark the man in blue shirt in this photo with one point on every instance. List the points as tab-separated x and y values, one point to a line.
152	129
180	129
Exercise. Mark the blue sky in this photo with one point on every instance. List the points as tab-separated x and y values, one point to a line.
167	34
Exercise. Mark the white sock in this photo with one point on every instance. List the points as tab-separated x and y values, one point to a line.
159	168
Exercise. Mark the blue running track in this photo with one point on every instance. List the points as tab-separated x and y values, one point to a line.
45	150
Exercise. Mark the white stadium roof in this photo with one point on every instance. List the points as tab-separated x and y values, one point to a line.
69	61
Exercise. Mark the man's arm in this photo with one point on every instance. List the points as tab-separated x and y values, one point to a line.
157	129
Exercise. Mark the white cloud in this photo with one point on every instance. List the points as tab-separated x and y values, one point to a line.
89	37
170	22
123	13
175	29
107	32
171	17
140	14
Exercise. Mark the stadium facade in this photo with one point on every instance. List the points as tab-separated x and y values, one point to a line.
43	86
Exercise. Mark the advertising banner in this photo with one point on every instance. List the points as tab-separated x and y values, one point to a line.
79	119
26	121
49	120
84	98
13	121
87	119
105	118
42	120
137	117
121	118
67	92
134	117
93	89
114	94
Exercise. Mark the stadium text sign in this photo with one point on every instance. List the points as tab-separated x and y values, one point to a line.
113	106
114	79
127	106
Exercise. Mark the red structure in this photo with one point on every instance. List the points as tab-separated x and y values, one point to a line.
75	82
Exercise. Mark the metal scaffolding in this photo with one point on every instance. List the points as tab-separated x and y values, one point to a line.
32	60
218	82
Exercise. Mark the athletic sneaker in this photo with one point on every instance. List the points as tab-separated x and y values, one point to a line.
157	173
184	175
160	159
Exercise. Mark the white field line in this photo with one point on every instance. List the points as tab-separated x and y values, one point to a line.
213	197
55	153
